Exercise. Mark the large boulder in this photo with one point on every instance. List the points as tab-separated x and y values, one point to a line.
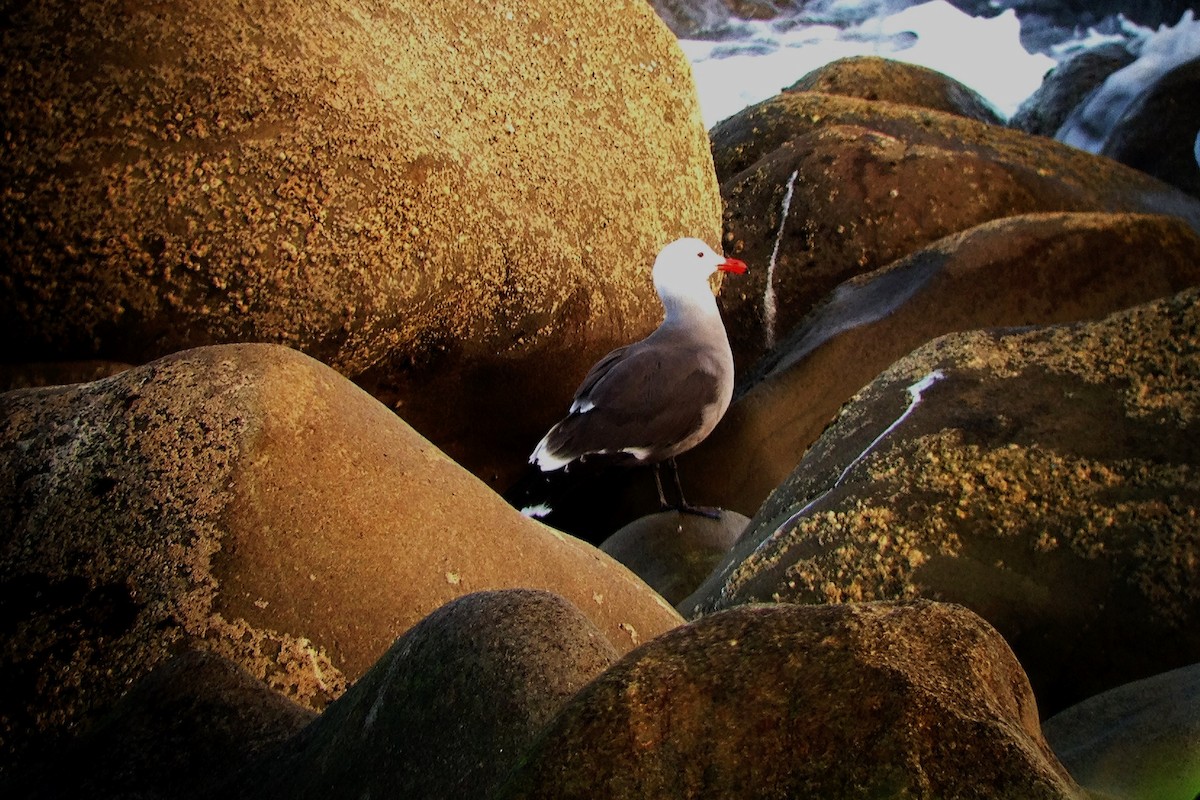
820	188
249	501
1045	478
1033	269
401	190
448	711
862	701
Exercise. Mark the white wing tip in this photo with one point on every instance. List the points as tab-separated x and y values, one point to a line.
546	461
538	511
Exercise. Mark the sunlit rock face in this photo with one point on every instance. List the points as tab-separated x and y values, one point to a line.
423	197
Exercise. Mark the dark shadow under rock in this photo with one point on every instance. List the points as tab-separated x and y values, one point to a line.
196	717
55	373
851	701
448	710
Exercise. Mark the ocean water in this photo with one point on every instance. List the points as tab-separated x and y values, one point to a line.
746	62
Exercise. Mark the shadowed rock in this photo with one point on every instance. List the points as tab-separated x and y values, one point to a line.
674	552
448	710
253	502
856	701
1136	741
55	373
1158	133
194	718
1044	478
1066	86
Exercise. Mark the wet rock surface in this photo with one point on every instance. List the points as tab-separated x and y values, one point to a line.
1157	135
1066	86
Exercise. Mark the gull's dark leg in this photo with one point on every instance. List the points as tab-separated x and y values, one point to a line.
684	507
662	498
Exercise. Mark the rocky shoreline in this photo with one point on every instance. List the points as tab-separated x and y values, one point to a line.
287	302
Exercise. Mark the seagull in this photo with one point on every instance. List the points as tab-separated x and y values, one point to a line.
649	401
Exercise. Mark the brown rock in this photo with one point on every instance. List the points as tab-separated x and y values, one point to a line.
448	710
1047	481
190	720
876	700
875	182
673	552
253	502
874	78
394	190
1026	270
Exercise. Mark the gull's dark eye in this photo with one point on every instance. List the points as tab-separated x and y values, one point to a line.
700	254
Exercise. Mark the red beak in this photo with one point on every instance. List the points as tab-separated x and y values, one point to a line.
734	266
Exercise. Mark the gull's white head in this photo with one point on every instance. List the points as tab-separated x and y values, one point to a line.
686	264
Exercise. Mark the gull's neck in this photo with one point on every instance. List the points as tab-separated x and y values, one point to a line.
692	303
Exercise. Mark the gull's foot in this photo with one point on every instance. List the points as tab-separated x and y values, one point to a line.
699	511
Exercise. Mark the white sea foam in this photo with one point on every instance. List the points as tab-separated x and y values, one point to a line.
1092	124
758	59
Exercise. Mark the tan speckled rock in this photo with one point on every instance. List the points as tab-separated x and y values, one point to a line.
875	182
1048	481
874	78
398	189
1033	269
780	702
251	501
